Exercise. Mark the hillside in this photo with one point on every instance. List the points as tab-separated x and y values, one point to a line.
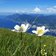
38	19
11	44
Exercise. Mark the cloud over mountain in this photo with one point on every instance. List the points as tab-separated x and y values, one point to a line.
37	10
49	10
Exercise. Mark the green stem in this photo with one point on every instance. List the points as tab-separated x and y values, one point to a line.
40	45
52	46
21	35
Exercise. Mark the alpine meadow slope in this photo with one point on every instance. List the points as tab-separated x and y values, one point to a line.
11	44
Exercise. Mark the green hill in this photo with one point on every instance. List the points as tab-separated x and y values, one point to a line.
11	44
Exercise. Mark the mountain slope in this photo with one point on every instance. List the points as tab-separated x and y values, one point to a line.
38	19
11	44
48	20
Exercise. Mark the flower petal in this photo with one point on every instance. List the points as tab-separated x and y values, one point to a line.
13	30
34	31
43	27
26	27
46	30
23	27
40	34
38	28
17	27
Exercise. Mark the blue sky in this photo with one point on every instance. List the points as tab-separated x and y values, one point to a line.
27	6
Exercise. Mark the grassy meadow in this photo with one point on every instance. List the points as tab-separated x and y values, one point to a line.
13	44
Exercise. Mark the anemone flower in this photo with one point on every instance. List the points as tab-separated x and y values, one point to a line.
22	28
39	32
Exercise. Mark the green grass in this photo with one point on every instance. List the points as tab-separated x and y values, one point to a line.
11	44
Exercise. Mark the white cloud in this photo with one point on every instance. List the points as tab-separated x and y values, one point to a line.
37	10
54	6
50	10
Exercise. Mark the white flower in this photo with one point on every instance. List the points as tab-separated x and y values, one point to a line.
22	28
17	27
40	30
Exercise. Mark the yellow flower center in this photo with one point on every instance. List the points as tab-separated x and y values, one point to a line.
40	31
21	29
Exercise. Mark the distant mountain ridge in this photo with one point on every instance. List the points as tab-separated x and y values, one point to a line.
38	19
